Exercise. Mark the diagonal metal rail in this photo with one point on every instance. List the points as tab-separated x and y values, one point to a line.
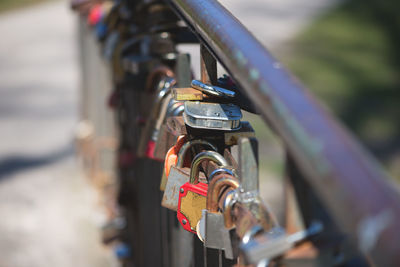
347	179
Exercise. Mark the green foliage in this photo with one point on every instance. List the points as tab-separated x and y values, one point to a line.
350	58
6	5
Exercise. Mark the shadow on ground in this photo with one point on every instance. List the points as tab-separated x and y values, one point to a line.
16	163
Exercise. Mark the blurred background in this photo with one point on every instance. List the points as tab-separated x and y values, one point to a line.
346	52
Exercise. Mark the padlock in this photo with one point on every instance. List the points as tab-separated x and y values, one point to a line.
94	15
192	194
157	115
170	159
224	169
215	116
187	94
214	229
212	90
216	234
258	246
201	228
165	139
176	125
164	142
176	174
230	238
232	137
214	220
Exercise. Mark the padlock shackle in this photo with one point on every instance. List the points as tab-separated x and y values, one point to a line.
216	186
189	144
230	200
204	156
159	72
223	169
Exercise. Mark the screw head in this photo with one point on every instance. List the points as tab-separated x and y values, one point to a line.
182	190
184	221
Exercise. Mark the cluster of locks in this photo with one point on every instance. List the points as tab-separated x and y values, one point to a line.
191	127
214	192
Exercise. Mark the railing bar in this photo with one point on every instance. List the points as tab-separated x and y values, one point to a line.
347	179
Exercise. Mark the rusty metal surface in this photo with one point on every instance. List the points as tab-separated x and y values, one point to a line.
350	183
176	126
171	193
208	66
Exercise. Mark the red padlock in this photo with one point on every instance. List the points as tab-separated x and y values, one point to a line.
192	200
193	194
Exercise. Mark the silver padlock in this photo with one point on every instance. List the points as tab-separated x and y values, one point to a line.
212	230
179	175
230	238
212	90
214	116
270	245
211	222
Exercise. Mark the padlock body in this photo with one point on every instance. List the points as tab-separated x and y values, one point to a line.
192	200
177	177
214	223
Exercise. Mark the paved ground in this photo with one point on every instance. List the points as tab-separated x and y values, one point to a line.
49	213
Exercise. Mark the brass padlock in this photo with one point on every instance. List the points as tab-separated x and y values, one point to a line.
193	194
177	175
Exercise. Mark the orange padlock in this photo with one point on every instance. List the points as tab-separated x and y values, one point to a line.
171	158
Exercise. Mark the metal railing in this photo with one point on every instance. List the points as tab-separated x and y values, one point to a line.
346	178
336	181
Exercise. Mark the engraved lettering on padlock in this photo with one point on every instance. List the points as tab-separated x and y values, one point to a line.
192	197
177	175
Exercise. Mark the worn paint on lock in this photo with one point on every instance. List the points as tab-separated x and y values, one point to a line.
192	200
176	178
